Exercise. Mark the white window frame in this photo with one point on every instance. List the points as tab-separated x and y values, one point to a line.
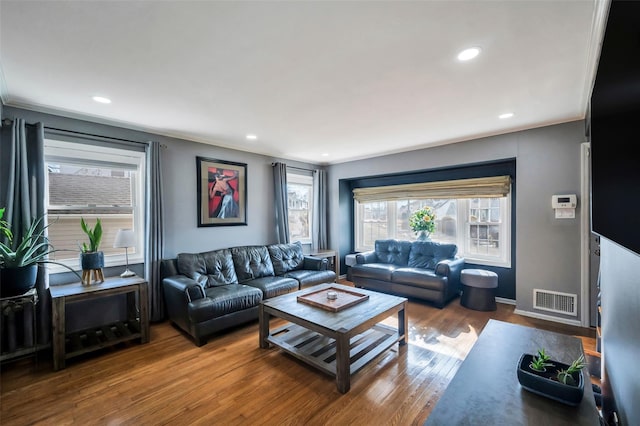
300	179
100	156
462	232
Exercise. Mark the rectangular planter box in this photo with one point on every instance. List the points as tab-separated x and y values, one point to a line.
547	385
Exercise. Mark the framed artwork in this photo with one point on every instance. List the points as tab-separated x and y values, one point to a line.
222	192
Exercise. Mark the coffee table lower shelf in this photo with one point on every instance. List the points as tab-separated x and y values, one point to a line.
320	351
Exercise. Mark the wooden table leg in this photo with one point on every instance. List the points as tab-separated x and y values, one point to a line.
58	314
403	324
263	318
143	301
343	363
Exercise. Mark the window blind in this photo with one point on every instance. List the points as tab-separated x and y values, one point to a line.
486	187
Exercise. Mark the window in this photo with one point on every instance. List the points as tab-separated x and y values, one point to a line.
480	227
300	206
92	182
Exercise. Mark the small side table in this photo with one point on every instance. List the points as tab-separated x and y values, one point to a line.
331	256
136	326
12	310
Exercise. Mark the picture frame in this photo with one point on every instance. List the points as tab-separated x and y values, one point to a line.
222	192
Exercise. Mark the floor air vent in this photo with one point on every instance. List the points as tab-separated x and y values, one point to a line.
554	301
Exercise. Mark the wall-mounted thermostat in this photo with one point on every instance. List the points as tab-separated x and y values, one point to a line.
565	206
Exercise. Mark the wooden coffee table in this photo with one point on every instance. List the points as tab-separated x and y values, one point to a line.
338	343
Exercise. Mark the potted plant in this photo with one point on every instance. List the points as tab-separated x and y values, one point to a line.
91	259
543	376
423	221
541	362
19	260
568	376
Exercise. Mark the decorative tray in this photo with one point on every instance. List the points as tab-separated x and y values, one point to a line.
344	299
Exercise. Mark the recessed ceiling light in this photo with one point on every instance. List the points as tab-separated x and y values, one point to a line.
101	99
505	115
252	137
467	54
325	154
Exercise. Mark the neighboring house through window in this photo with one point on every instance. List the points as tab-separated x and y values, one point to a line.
300	206
91	182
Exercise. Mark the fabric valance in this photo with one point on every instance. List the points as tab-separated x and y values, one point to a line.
486	187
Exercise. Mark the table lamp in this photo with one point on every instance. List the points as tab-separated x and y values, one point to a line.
125	238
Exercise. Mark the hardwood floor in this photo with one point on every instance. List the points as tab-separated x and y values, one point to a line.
231	381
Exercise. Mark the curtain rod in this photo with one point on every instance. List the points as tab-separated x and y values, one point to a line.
74	132
8	121
297	168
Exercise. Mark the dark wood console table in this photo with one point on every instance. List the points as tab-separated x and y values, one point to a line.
136	326
331	256
486	391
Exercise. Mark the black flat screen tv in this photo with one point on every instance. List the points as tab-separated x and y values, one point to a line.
614	130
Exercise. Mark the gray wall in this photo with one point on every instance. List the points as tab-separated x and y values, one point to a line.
179	180
548	163
620	300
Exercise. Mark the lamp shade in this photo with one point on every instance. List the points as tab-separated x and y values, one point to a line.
125	238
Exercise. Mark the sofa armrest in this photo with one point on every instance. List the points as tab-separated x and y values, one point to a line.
451	268
179	292
367	257
182	289
312	263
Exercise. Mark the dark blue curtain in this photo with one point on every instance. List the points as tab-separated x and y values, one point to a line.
282	209
319	239
22	192
154	231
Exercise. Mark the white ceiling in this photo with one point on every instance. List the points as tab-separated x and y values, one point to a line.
352	79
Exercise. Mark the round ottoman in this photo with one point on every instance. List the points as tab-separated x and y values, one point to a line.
478	289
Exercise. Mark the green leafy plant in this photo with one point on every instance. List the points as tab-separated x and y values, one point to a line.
541	361
94	234
423	220
33	248
5	228
566	376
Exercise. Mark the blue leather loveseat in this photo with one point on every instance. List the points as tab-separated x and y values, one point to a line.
423	270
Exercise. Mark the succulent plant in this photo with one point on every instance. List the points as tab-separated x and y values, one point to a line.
566	376
541	361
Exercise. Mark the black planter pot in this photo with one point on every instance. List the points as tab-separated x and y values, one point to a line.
92	260
17	281
546	383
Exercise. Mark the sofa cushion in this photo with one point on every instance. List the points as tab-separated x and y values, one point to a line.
308	278
427	254
286	257
376	271
393	251
212	268
223	300
419	277
251	262
274	286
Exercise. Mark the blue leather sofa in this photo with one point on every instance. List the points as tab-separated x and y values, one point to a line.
423	270
215	290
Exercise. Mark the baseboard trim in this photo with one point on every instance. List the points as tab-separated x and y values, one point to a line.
505	301
575	323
